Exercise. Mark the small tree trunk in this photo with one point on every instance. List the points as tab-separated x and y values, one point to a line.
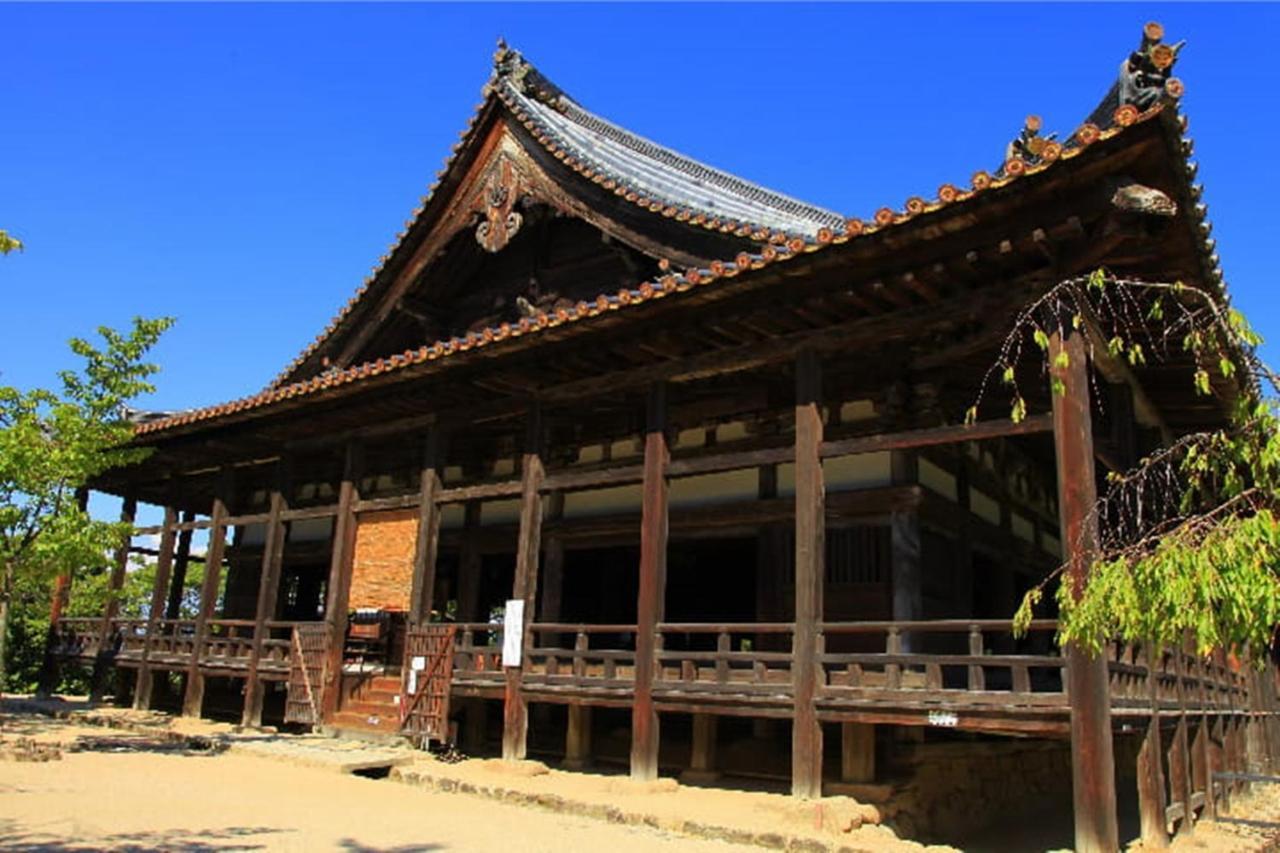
6	587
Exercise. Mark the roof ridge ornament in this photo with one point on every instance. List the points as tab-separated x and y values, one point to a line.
510	65
1146	76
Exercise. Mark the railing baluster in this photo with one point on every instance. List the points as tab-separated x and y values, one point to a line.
579	657
977	678
893	671
723	647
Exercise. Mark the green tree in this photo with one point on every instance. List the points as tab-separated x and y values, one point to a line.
54	443
1188	539
9	244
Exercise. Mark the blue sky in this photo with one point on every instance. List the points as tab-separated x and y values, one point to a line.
242	167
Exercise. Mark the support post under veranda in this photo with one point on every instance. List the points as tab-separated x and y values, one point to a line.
1092	757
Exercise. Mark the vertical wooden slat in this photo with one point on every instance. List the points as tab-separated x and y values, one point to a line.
426	549
1092	757
340	568
119	565
977	676
810	520
268	588
857	752
652	588
164	567
515	715
194	698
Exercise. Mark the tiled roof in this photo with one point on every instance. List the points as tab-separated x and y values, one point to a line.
664	178
1046	156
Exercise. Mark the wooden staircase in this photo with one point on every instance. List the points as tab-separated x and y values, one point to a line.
371	707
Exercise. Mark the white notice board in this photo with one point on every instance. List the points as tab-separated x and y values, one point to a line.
512	632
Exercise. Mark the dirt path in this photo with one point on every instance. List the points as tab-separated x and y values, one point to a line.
148	801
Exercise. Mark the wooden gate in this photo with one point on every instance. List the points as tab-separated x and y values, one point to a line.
308	669
426	681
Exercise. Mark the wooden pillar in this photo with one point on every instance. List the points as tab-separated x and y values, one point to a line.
268	589
904	536
515	709
1151	790
857	752
577	742
181	560
810	518
552	569
193	701
651	597
426	549
119	565
164	566
469	565
340	566
1092	758
702	754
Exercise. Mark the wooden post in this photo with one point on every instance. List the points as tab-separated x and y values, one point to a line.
577	743
181	560
810	517
1151	791
119	565
426	549
1092	757
857	752
651	597
268	589
904	536
515	709
193	701
552	569
340	566
164	566
702	753
469	565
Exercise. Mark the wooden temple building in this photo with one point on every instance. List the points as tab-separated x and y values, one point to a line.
618	457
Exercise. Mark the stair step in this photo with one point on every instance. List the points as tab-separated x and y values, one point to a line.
386	723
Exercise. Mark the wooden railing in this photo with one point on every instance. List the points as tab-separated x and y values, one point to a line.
228	645
701	658
478	652
980	660
601	656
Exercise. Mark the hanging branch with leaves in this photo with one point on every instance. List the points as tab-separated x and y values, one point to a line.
1187	539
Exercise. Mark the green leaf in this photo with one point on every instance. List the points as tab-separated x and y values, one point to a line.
1041	339
1007	376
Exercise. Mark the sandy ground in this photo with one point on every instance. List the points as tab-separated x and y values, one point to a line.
151	801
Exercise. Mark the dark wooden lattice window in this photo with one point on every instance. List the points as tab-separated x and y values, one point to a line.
858	555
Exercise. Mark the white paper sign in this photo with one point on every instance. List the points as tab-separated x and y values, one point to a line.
418	663
512	632
413	682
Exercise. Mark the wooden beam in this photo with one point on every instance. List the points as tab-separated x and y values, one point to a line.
1092	759
268	588
651	596
193	700
164	567
119	565
810	520
426	549
1115	370
515	715
340	566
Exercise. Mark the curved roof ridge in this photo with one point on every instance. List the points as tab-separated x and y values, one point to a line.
613	149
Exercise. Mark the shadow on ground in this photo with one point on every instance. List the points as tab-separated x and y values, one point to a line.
18	840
